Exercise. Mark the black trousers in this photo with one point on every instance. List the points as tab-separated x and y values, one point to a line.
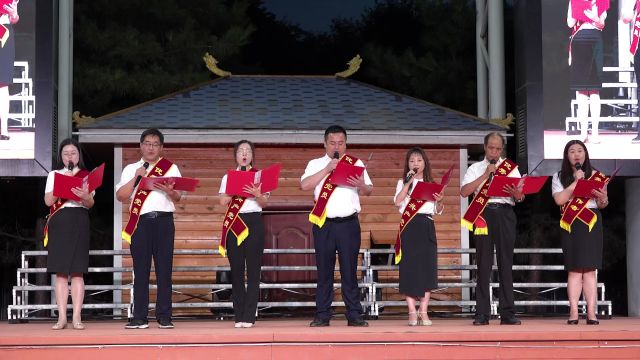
501	223
152	239
245	299
345	238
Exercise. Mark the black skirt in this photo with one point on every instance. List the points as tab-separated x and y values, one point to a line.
419	263
68	245
586	60
583	248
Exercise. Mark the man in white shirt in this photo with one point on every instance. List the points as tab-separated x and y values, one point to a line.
150	230
501	226
338	229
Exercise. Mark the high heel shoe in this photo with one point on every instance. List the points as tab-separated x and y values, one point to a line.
59	326
413	322
424	320
572	322
593	322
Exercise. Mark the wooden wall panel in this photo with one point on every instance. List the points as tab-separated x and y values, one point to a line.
198	216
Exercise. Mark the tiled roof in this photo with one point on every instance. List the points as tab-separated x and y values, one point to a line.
291	103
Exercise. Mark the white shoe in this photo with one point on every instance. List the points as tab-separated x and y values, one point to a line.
238	325
247	325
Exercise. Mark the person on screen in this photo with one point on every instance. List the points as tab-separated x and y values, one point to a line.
244	244
495	224
67	235
585	61
150	230
418	258
336	226
582	240
9	17
630	13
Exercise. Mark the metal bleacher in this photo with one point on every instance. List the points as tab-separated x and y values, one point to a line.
22	309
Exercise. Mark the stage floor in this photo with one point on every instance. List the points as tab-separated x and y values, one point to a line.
617	338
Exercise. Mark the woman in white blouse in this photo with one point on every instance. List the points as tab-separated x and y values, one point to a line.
419	261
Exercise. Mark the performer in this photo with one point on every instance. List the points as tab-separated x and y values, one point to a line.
67	235
417	247
245	242
585	61
150	229
336	226
582	242
495	224
9	17
630	12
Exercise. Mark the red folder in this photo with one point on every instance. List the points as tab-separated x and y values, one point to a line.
530	185
179	183
579	6
584	187
344	171
237	180
62	184
425	190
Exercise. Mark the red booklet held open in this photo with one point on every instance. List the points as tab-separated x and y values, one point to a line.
530	185
179	183
237	180
344	171
62	184
578	8
426	190
584	187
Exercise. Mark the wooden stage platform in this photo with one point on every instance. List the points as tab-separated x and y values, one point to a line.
536	338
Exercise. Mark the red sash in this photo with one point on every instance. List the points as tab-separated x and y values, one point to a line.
473	214
636	30
159	169
409	213
57	206
318	214
577	208
234	223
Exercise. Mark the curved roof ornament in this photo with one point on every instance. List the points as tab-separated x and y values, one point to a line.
354	65
212	65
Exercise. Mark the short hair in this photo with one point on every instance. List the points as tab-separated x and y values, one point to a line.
74	142
494	134
335	129
152	132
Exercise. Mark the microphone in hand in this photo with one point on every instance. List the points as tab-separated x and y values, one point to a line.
492	162
336	155
145	165
70	166
410	176
578	166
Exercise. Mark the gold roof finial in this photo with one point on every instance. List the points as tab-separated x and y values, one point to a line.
81	120
354	65
505	123
212	65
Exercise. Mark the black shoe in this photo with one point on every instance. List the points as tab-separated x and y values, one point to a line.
593	322
4	137
636	140
510	320
572	322
165	324
319	322
137	324
481	320
357	322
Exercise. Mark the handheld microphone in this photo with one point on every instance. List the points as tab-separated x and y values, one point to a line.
578	166
70	166
145	165
410	176
336	155
243	168
492	162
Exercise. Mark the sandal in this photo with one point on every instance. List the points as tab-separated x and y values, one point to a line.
412	322
59	326
424	320
78	325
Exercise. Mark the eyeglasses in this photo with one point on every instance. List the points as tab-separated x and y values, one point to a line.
151	145
243	151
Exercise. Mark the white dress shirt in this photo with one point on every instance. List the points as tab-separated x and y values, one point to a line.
476	170
428	208
344	200
248	206
157	199
556	187
49	188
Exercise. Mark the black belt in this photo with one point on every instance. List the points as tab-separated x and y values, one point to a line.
155	214
343	219
497	205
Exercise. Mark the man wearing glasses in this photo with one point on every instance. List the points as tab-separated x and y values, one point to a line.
150	230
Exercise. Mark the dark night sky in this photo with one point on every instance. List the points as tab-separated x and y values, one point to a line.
316	15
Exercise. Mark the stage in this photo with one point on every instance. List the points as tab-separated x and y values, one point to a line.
537	338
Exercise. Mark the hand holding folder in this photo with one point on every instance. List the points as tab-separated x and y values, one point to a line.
63	185
179	183
427	190
584	188
530	185
344	172
237	181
